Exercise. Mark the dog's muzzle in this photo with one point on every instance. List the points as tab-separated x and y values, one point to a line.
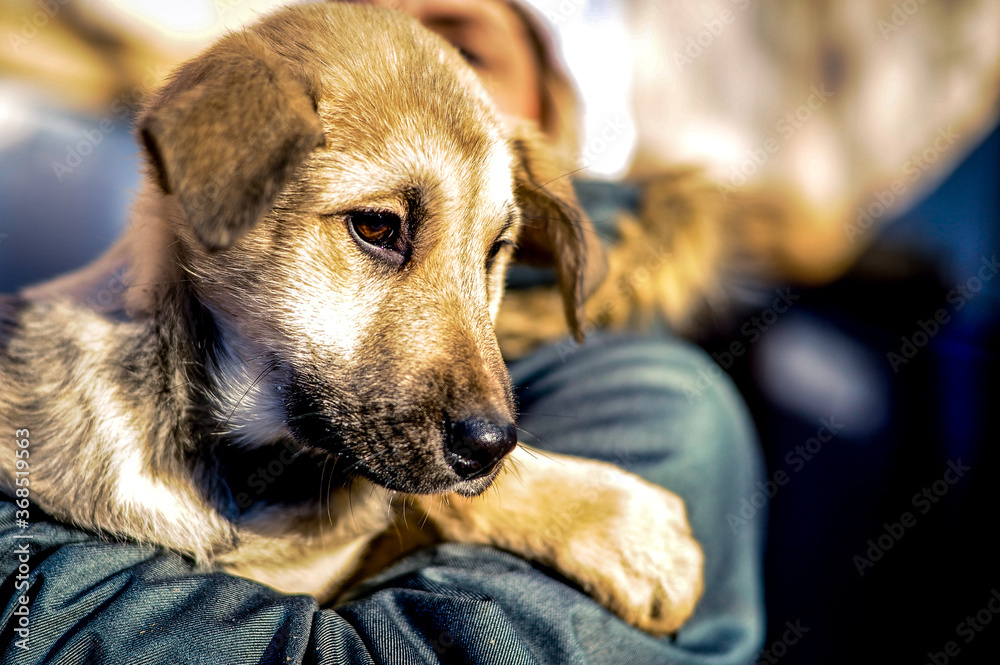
474	447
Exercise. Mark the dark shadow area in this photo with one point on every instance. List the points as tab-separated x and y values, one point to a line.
875	397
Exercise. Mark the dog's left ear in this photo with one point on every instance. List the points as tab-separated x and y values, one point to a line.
226	134
556	231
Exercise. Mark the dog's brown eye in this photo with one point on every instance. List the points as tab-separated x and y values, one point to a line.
380	234
376	228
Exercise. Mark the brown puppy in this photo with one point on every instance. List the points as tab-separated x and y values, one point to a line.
313	271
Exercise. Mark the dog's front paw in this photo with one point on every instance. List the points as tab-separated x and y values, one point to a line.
628	543
625	541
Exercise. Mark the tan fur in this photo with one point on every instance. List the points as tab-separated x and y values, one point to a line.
256	327
668	263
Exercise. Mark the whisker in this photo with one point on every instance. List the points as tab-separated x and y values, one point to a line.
535	452
319	507
271	366
514	467
426	517
171	388
185	280
350	499
305	415
560	177
549	415
538	438
610	240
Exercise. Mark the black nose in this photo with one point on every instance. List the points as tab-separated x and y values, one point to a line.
474	447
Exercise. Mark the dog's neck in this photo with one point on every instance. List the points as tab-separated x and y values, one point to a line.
108	369
111	406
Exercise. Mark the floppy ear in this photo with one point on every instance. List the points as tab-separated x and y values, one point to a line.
556	231
226	134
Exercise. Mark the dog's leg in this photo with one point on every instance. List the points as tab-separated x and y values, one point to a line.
625	541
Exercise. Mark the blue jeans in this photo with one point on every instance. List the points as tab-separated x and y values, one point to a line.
652	406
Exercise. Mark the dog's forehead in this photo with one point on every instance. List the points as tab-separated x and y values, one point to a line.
434	140
440	171
377	66
401	109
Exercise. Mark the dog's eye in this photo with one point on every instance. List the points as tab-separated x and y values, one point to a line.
380	234
376	228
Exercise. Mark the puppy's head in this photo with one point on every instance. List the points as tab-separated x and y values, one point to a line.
339	191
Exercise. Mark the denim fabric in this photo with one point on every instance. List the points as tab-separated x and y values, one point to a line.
620	400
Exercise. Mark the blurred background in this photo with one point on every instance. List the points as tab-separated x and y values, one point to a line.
861	322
